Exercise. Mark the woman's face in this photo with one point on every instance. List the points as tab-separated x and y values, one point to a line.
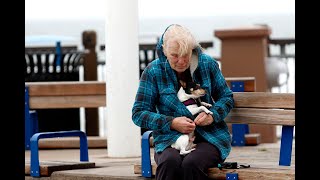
179	64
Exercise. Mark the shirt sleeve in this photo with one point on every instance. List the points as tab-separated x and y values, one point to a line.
144	112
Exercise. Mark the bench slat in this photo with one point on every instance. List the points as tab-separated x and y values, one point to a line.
254	172
261	173
48	167
264	100
55	102
64	88
72	142
93	87
261	116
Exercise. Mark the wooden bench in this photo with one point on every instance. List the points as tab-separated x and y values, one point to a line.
250	108
49	95
69	94
60	95
55	63
91	94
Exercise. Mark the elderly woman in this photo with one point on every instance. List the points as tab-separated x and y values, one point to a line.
157	107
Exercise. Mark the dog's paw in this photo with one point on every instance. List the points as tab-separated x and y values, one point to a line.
183	152
209	112
206	104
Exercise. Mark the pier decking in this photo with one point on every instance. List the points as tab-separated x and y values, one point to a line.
110	168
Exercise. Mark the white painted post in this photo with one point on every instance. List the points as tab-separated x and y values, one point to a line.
122	71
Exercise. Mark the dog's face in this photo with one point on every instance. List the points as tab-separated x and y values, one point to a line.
193	88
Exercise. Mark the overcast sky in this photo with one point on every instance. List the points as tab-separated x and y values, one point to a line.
77	9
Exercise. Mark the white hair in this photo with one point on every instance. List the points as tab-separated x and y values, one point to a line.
182	37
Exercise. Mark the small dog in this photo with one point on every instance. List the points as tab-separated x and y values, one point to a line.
190	93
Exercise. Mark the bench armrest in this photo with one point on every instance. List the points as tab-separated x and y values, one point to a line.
34	147
146	169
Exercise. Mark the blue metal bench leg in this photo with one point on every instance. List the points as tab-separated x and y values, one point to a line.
35	168
238	134
31	121
34	122
286	146
232	176
146	169
31	127
238	130
27	120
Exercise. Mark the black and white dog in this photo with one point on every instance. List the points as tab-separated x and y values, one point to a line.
190	93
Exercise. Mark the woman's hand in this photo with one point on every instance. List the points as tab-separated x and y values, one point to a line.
183	125
203	119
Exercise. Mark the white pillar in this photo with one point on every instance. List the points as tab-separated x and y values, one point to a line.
122	71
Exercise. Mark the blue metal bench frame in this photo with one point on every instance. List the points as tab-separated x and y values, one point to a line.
286	145
238	130
146	168
31	120
35	167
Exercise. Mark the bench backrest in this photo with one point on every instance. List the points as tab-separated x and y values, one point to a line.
263	108
50	95
74	94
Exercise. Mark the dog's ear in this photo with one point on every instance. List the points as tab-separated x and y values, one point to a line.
183	84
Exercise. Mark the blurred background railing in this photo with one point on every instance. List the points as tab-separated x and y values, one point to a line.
280	61
41	63
281	65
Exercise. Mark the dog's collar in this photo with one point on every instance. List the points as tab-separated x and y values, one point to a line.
189	102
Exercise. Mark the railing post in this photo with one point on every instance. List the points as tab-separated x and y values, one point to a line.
59	55
90	64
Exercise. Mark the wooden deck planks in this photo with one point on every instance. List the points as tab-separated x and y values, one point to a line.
262	158
48	167
254	172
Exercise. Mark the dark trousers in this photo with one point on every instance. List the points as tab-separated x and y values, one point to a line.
193	166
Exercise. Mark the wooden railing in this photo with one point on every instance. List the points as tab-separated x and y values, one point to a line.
147	53
282	51
149	49
283	44
50	49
